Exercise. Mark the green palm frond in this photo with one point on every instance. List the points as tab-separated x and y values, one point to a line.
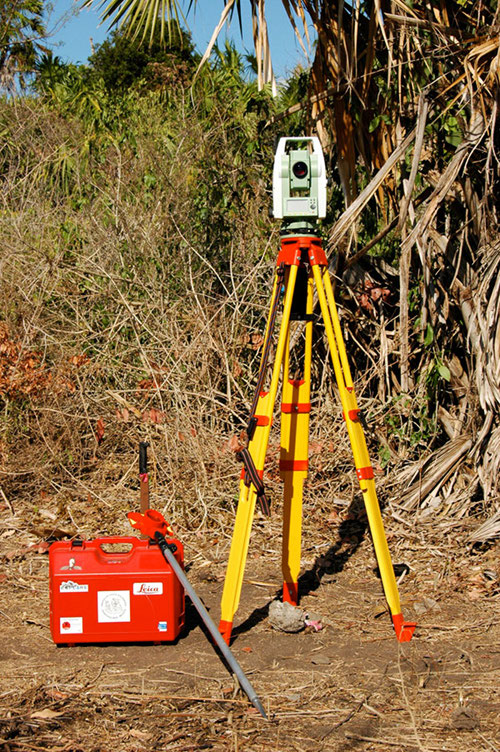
141	18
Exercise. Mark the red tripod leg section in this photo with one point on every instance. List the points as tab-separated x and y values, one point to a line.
225	628
404	629
291	593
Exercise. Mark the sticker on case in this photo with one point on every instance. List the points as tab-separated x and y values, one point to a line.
148	588
71	625
113	605
73	587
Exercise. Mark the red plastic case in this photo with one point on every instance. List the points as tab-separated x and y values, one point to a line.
102	596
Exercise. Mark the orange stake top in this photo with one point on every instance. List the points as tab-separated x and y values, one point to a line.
149	523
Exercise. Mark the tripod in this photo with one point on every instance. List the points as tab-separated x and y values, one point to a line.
302	267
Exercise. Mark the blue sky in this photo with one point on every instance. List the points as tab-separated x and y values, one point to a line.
72	28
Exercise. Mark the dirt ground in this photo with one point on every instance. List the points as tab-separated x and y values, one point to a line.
350	686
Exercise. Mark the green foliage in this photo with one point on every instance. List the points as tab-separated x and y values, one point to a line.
199	161
122	62
409	423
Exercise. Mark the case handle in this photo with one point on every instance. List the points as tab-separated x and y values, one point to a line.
115	540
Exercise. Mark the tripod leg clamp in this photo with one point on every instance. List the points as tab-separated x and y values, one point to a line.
252	476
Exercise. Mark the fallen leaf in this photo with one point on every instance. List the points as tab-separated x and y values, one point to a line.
47	714
474	594
320	660
40	548
48	514
54	694
153	416
123	414
143	735
54	533
247	649
79	360
236	443
464	718
99	430
257	341
316	447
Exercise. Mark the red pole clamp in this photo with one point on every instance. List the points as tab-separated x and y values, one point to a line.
295	407
365	473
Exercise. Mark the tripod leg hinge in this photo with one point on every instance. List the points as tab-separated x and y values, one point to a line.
404	629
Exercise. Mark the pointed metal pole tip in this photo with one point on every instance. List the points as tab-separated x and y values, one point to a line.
207	620
257	704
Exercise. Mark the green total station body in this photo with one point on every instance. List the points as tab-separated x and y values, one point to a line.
299	184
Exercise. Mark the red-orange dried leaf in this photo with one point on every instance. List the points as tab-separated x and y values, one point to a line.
79	360
157	416
39	548
99	431
153	416
235	443
123	414
146	384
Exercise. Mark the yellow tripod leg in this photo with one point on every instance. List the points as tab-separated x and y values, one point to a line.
295	410
404	630
246	504
243	524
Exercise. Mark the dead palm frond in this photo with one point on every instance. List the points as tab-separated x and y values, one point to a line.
427	478
488	530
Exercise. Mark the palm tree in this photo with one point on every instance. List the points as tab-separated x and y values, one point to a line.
404	97
21	33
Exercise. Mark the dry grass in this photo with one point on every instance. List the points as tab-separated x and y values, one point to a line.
350	686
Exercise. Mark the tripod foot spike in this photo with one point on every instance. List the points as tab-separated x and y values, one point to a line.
291	593
404	629
225	628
